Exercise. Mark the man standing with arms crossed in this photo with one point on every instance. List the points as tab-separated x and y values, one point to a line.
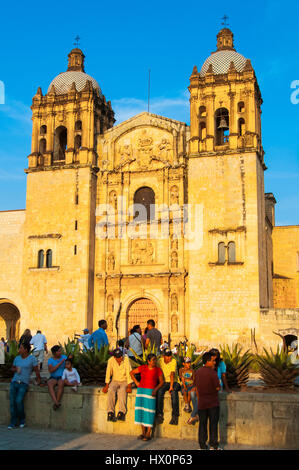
207	386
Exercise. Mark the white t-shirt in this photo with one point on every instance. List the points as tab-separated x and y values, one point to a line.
71	375
135	343
39	341
84	340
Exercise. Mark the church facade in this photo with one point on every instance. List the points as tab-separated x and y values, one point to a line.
150	218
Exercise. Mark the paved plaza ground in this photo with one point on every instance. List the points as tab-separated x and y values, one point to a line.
46	439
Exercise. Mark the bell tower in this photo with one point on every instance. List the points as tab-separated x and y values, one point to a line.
61	199
226	177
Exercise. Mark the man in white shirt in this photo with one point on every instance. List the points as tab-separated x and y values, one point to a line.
84	339
39	343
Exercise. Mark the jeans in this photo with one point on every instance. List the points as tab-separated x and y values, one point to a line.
211	414
17	394
174	398
194	404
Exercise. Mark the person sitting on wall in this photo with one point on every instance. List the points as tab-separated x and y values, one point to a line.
22	367
168	365
99	336
56	365
118	371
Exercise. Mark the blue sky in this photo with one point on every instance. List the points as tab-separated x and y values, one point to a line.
121	41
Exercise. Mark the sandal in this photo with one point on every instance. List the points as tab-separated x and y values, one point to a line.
145	438
192	421
141	436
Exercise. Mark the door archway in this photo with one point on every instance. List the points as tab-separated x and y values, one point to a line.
9	321
140	311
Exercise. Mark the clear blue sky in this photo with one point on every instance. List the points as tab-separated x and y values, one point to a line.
121	41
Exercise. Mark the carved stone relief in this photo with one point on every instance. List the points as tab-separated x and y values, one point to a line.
142	252
110	304
174	324
110	324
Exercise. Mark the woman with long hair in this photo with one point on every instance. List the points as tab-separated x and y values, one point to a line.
145	405
26	337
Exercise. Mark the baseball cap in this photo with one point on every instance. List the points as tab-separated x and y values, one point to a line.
117	352
86	330
167	352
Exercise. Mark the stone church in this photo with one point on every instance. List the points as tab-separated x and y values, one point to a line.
150	218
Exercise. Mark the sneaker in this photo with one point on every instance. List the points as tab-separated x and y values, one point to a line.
121	416
22	425
75	388
11	426
216	448
174	420
159	419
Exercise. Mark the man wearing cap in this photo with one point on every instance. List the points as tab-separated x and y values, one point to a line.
118	371
84	339
168	365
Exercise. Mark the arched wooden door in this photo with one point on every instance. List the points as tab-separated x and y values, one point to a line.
9	321
140	311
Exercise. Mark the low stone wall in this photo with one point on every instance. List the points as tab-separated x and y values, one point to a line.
255	419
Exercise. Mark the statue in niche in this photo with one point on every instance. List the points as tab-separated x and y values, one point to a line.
113	200
174	259
111	262
174	324
174	303
110	324
110	303
174	195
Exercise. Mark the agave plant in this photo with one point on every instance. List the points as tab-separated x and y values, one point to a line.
277	369
237	365
5	369
71	347
141	360
187	349
92	364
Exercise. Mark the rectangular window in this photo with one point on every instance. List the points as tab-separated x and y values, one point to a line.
76	224
75	249
77	199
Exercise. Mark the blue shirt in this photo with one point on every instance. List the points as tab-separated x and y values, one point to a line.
54	362
100	337
221	369
26	366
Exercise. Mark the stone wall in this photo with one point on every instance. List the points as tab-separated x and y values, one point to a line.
255	419
276	319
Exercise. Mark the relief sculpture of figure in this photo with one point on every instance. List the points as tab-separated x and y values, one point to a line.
174	324
174	303
111	262
174	195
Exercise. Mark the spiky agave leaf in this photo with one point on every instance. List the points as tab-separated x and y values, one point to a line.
92	364
237	364
5	369
276	369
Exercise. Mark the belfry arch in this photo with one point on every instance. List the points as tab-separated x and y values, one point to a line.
9	320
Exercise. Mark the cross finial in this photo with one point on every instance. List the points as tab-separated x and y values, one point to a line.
225	20
77	39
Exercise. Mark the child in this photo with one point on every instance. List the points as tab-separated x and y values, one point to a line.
70	375
186	376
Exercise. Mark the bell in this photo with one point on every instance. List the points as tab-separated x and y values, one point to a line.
223	124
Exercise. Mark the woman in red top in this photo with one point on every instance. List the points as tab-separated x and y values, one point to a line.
145	405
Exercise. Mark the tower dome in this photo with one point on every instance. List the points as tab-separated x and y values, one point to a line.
221	59
74	74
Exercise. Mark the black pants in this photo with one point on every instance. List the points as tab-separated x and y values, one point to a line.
174	398
211	414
